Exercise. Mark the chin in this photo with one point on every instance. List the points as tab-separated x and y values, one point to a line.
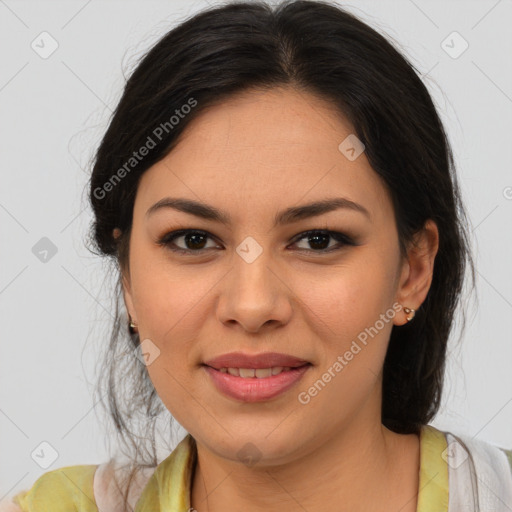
255	446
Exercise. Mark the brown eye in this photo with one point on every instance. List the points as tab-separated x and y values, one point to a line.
193	241
318	240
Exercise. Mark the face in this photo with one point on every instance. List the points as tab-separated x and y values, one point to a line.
324	302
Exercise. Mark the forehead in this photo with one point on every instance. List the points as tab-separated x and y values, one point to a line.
265	150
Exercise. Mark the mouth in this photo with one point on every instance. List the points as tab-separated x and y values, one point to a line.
257	373
255	378
262	361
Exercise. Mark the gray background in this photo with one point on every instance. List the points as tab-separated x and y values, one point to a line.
55	314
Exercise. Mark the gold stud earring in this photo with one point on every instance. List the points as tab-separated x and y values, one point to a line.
409	313
131	326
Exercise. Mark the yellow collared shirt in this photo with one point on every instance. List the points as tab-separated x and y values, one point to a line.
70	488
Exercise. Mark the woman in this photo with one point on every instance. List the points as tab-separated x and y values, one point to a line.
279	195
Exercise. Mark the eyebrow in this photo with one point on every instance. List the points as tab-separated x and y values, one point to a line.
288	216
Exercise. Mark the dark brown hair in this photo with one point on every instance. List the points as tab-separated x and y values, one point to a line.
321	49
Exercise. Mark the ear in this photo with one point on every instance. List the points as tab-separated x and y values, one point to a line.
128	297
417	270
126	286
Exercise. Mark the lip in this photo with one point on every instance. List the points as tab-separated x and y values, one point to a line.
254	389
263	360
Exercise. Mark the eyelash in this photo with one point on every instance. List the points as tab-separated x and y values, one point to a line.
343	239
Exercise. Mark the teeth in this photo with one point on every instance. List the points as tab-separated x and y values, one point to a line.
259	373
263	372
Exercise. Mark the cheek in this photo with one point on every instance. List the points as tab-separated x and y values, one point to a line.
180	394
351	339
167	296
343	300
344	310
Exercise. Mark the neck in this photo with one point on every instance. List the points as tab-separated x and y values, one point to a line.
357	468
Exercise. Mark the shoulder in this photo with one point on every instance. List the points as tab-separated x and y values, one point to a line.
508	454
65	489
487	465
483	457
82	488
112	480
489	455
9	506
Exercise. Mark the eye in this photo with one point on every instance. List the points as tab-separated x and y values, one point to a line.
319	239
195	240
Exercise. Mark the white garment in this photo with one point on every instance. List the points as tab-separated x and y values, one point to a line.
479	476
108	496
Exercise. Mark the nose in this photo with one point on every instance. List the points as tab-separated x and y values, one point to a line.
254	296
